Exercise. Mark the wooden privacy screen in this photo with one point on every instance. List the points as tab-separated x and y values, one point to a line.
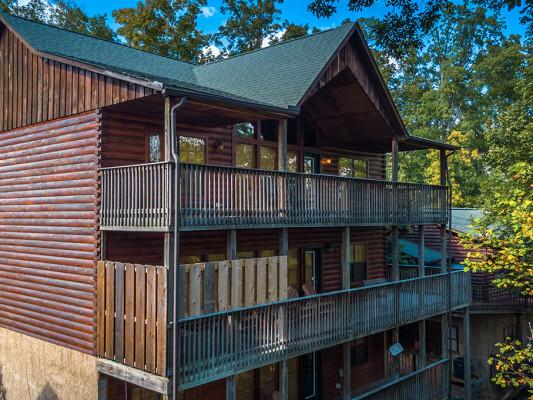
223	285
132	315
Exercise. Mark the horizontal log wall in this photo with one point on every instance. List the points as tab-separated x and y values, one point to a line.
48	230
35	89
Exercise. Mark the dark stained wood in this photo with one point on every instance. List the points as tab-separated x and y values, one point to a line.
140	316
110	309
119	312
35	89
151	318
161	342
129	341
100	304
48	231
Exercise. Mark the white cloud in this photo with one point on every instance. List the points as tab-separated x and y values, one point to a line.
208	11
211	50
268	41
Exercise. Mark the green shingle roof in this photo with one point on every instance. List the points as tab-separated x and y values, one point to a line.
276	76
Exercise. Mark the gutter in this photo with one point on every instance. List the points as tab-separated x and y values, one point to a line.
176	246
290	111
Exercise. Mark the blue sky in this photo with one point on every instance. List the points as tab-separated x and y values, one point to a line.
293	10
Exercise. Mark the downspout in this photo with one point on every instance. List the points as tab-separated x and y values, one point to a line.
176	244
449	265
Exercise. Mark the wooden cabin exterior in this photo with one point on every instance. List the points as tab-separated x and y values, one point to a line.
215	231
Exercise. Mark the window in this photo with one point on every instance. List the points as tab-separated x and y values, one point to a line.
358	263
454	339
154	148
245	156
293	262
267	158
353	167
245	130
292	161
192	150
359	352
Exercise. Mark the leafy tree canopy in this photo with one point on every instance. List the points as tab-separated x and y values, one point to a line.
407	22
164	27
64	14
249	23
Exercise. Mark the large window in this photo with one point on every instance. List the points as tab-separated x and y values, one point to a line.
267	158
154	148
353	167
293	162
192	150
358	263
245	155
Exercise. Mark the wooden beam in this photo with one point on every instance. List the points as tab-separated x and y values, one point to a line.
422	359
102	387
346	347
283	367
231	248
156	383
467	355
394	160
282	145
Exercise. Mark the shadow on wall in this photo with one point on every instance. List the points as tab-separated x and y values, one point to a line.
3	390
47	394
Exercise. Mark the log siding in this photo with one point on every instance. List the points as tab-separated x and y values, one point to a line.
49	230
35	89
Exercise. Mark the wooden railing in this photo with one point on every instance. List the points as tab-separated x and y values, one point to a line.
428	383
139	198
226	196
487	297
217	345
132	315
136	197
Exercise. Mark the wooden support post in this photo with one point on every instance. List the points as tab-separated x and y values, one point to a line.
422	360
444	338
283	367
395	247
346	347
231	392
394	160
102	387
282	145
467	355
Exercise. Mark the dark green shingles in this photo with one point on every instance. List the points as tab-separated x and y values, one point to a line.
277	76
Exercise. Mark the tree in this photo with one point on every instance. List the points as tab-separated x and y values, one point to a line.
293	31
168	28
514	363
407	22
249	24
63	14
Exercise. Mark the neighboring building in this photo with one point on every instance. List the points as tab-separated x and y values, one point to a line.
494	313
261	254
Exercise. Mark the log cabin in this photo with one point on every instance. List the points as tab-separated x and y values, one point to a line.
217	231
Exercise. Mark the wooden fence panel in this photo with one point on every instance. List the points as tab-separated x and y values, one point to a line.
224	285
132	315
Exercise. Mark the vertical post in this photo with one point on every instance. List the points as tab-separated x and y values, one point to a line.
467	356
231	244
346	347
102	387
282	145
421	273
395	248
283	365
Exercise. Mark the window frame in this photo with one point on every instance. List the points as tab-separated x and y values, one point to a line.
353	275
353	160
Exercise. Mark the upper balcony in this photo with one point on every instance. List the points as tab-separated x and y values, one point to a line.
139	197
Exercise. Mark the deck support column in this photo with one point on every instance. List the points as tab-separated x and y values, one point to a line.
346	347
466	351
231	245
422	360
395	273
283	366
102	387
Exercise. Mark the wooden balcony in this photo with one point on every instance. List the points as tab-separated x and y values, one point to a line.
245	338
213	197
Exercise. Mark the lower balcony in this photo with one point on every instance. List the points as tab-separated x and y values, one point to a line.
238	315
214	197
430	382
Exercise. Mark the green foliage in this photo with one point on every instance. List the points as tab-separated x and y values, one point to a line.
502	241
293	31
406	23
63	14
514	364
248	24
164	27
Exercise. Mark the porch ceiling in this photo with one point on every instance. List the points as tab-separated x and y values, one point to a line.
346	117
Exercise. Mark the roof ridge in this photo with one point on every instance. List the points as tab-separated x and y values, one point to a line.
97	38
275	44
